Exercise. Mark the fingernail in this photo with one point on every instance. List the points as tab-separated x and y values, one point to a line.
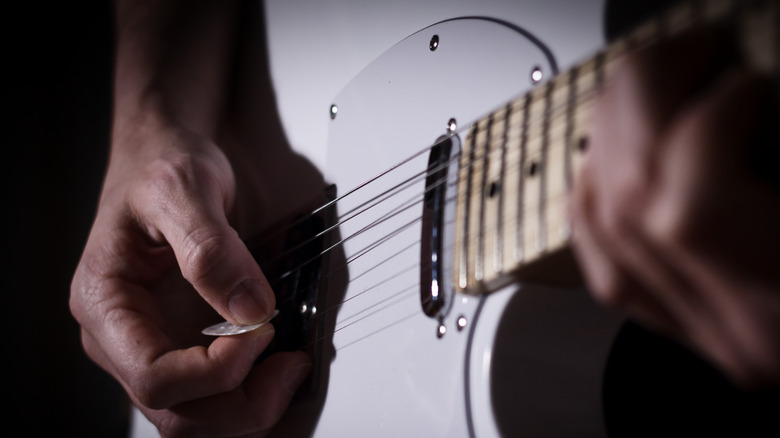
249	302
296	375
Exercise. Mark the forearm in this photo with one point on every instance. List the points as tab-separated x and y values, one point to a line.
173	60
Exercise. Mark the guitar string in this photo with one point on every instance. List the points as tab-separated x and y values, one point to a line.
371	288
389	193
367	205
415	241
399	209
407	317
392	299
376	244
583	95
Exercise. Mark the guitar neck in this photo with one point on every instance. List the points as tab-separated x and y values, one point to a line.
518	163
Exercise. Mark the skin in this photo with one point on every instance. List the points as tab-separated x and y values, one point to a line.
670	224
165	257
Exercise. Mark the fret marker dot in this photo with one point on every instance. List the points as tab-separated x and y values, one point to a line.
493	189
582	144
532	168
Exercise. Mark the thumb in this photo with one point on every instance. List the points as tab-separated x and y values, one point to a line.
190	214
217	263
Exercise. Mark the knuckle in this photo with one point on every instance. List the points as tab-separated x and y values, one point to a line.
676	226
230	379
173	172
203	251
170	179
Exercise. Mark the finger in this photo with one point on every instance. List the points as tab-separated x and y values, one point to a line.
189	209
608	281
97	354
700	222
641	96
180	375
706	178
134	347
252	408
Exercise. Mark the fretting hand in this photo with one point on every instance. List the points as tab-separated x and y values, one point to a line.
670	224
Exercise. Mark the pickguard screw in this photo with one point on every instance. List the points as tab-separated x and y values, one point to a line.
452	125
334	109
536	75
441	331
434	43
462	322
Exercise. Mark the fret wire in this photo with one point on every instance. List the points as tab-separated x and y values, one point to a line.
543	175
498	251
480	247
598	68
463	280
519	236
568	144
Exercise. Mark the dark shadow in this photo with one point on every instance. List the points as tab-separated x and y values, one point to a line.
57	114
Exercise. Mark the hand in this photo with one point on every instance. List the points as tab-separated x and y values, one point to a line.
160	258
669	222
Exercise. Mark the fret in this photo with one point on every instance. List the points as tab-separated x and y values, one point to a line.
556	224
544	169
587	80
462	208
571	104
476	204
531	175
519	164
480	177
511	192
521	159
493	192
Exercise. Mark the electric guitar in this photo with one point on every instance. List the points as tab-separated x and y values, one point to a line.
436	291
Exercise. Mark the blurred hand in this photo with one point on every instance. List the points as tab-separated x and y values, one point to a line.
160	258
669	223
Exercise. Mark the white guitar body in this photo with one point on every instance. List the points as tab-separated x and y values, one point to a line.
525	359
